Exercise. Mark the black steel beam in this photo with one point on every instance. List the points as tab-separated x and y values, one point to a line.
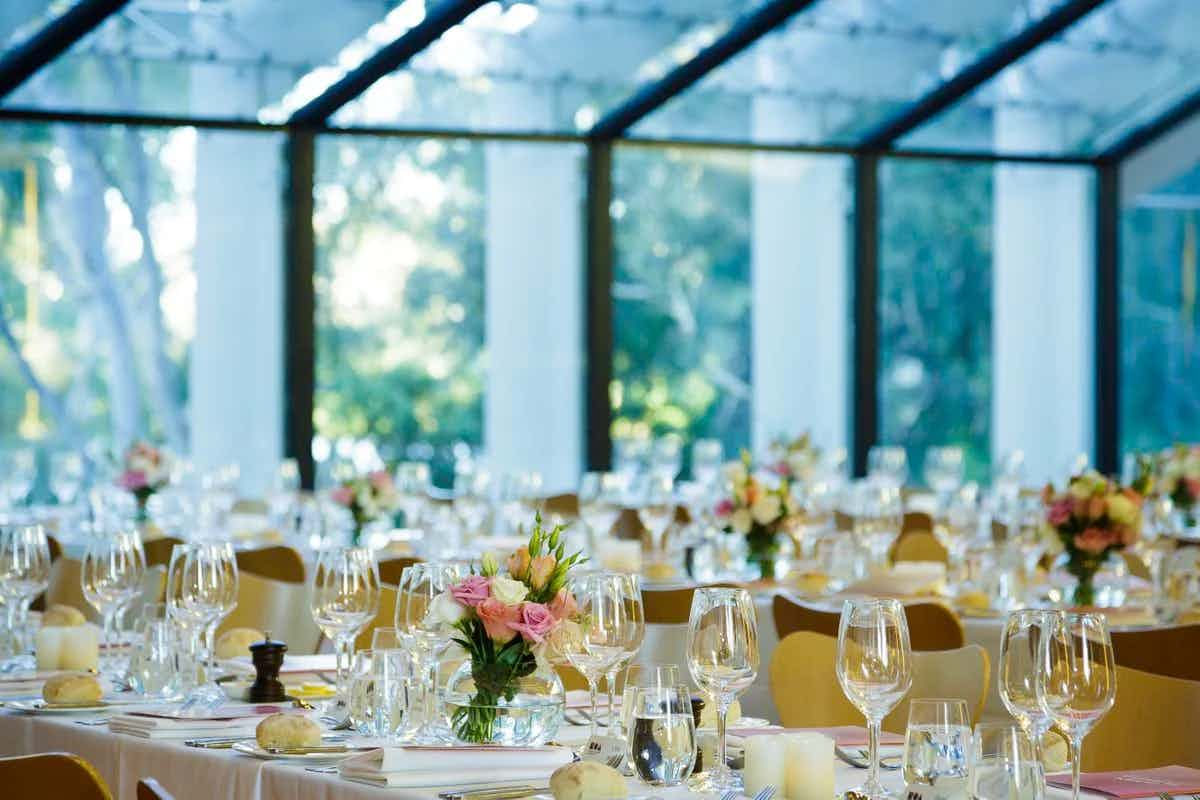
979	72
18	114
865	390
299	316
1108	319
1139	137
744	32
20	62
599	305
441	18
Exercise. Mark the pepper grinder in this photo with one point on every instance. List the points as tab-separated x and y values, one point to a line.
267	656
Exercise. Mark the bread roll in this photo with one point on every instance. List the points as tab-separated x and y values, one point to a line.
73	689
287	730
236	642
62	616
587	780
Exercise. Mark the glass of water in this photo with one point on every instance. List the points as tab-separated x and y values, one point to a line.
662	735
152	664
1003	764
937	744
380	693
644	676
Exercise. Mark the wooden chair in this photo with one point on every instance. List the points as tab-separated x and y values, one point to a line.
150	789
390	569
253	507
279	563
671	606
919	545
565	505
806	691
628	525
1136	565
1171	652
52	775
916	522
1152	723
158	551
931	626
280	608
386	618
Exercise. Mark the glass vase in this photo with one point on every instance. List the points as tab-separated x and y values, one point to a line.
530	716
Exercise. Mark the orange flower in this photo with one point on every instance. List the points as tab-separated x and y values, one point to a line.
496	617
518	563
540	570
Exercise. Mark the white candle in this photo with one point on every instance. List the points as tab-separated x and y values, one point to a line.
618	555
80	648
764	757
809	758
47	646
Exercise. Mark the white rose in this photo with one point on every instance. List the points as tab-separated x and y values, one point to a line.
741	520
766	509
508	591
445	610
1122	510
735	472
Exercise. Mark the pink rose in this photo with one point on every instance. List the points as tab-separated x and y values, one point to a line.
1094	540
1060	512
563	605
133	479
498	619
540	570
534	623
343	496
782	469
724	508
1193	487
380	480
472	590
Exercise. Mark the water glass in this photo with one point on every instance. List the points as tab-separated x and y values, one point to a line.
1004	765
380	693
152	665
662	735
386	639
640	676
937	744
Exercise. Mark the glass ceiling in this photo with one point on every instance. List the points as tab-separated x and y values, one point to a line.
837	70
829	76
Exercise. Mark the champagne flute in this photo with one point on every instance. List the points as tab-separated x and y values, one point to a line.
874	668
1021	648
605	633
723	659
24	574
1077	684
345	597
110	577
635	632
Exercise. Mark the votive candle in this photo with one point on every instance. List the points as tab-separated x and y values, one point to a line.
764	763
809	759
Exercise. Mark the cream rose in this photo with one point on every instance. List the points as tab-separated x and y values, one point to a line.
766	509
508	591
445	610
1122	510
741	520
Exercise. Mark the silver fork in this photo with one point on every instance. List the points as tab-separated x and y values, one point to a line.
765	793
730	795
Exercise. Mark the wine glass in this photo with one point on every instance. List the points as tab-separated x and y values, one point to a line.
656	508
419	585
605	629
202	584
1004	765
1021	650
24	574
666	457
635	632
412	484
600	503
878	518
944	468
1077	682
111	575
722	655
630	454
707	455
472	485
888	465
18	471
66	476
874	668
345	597
216	590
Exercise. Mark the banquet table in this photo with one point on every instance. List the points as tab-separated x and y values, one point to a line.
197	774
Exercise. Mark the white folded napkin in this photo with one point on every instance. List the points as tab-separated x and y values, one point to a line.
410	767
166	723
906	578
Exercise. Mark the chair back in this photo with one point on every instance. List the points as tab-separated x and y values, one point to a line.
565	505
804	684
278	562
931	626
150	789
386	618
919	545
250	507
1162	651
963	673
916	522
672	606
278	607
1136	565
628	525
158	551
52	775
54	547
390	569
1152	723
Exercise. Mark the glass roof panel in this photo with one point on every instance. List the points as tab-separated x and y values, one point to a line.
1116	69
198	58
838	69
20	19
541	65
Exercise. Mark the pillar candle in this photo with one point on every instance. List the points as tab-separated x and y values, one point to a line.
764	757
47	646
80	648
809	758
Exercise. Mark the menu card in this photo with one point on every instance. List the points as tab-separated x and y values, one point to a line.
1136	783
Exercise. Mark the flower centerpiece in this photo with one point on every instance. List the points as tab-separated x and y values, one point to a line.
1093	517
796	459
757	511
1179	479
145	470
367	498
511	625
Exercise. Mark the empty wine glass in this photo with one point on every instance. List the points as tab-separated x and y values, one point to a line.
472	501
605	629
722	654
635	631
216	583
412	485
666	457
24	574
630	454
874	668
888	465
110	577
345	597
600	502
878	518
707	456
1004	764
419	585
202	585
944	467
18	471
1077	684
656	508
1022	648
662	734
66	476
